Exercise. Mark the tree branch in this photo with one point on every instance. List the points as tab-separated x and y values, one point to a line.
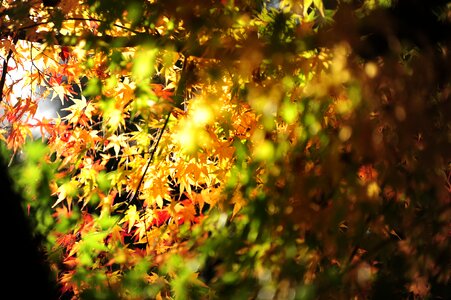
188	45
5	68
80	19
152	154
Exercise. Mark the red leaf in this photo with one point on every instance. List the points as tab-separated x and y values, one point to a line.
162	217
64	54
159	90
367	173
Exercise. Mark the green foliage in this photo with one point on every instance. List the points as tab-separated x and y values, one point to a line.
32	174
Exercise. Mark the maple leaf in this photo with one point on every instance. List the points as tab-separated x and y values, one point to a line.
367	173
79	112
238	202
118	234
184	211
66	240
17	135
46	126
67	282
161	217
66	191
156	190
162	92
113	114
131	216
71	262
61	91
116	142
64	54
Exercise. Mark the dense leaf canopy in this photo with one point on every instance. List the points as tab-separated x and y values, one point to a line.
233	149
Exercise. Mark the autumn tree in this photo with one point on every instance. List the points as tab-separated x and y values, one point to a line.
233	149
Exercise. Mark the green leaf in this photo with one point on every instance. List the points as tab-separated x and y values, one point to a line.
93	88
103	181
35	151
144	63
289	112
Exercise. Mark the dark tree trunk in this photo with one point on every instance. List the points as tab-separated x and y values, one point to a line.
25	272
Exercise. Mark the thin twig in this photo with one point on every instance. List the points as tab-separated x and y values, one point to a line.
358	240
42	53
5	68
80	19
152	154
147	167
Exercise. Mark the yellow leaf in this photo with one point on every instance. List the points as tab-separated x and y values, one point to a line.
307	4
319	5
131	216
238	202
159	201
117	142
66	192
373	190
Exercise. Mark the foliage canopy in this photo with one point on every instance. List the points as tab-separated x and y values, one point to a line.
233	149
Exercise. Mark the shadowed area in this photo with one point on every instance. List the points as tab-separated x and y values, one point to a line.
26	273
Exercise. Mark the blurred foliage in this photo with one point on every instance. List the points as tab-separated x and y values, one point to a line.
234	149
